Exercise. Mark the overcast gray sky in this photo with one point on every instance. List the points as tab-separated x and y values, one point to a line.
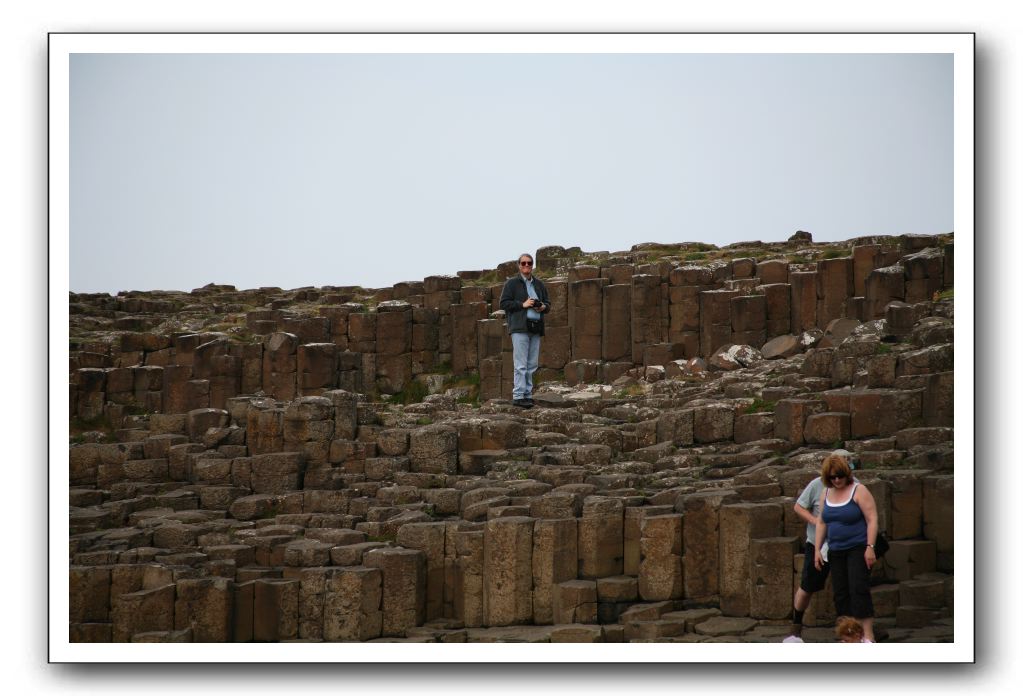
294	170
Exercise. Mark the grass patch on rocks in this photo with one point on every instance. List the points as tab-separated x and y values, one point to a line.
835	253
412	393
760	406
79	427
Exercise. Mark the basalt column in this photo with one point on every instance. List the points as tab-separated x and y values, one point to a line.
489	340
739	524
701	542
749	320
777	308
425	335
715	320
464	341
147	384
660	568
317	368
439	293
393	346
338	318
554	562
280	365
647	324
586	318
804	300
556	346
616	341
508	571
866	257
770	582
924	274
884	285
686	283
90	388
834	286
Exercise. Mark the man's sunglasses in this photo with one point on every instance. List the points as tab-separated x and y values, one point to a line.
525	263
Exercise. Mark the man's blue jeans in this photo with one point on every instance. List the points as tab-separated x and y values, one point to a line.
525	357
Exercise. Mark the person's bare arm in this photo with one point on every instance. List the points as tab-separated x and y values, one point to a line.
865	500
804	514
818	542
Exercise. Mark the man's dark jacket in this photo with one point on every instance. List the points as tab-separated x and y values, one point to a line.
512	297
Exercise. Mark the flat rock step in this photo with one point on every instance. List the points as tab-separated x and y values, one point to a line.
551	400
725	626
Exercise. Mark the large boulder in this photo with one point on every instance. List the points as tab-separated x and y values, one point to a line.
838	330
731	357
781	347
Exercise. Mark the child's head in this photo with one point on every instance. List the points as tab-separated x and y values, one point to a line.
848	630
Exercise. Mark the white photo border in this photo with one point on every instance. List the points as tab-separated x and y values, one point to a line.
63	45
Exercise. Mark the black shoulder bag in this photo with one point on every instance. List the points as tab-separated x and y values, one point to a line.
881	545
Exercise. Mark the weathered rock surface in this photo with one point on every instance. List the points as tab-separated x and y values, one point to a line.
340	464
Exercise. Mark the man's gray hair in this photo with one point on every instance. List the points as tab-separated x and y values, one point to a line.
848	456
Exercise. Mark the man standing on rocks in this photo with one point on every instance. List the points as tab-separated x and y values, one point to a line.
524	300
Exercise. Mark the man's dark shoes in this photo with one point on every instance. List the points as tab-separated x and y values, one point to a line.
529	400
523	403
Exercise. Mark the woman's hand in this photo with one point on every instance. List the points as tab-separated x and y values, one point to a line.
818	560
869	557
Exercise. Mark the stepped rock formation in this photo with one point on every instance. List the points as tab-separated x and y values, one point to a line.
342	464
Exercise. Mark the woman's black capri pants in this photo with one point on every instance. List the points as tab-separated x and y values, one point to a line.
850	579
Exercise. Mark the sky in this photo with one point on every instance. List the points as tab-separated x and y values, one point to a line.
369	169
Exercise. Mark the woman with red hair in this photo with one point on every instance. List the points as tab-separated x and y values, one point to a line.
848	521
